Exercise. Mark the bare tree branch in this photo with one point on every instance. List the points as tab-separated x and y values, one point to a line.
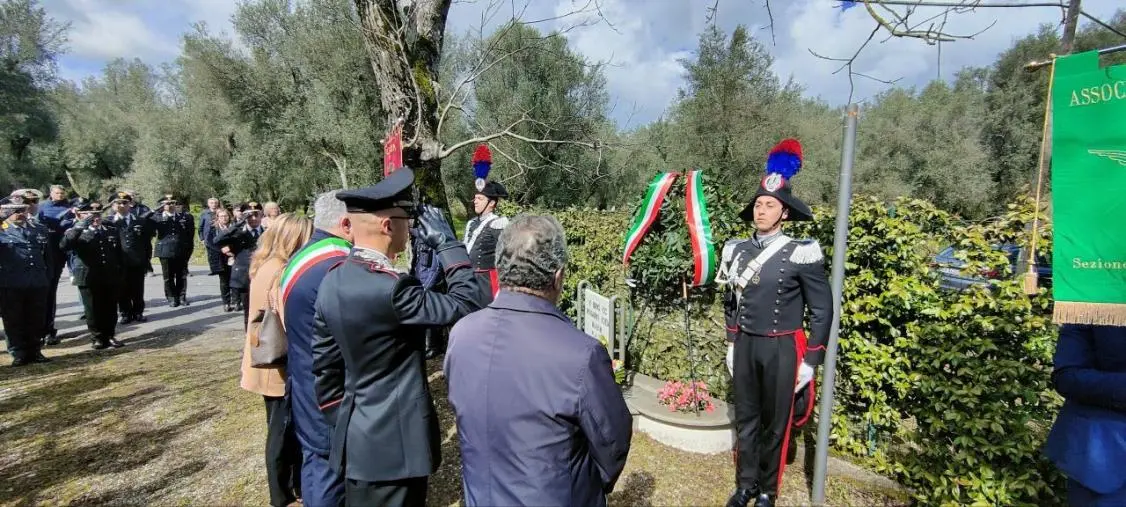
510	133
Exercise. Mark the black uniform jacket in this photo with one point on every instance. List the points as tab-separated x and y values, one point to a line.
386	426
242	243
790	282
134	238
175	235
483	251
97	255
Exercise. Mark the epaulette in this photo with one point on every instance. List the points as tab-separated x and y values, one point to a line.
806	251
729	249
499	223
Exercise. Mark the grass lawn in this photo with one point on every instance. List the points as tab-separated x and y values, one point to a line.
163	421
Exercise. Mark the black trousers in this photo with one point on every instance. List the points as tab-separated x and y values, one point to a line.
131	293
283	453
55	273
764	376
174	271
100	303
24	312
404	492
242	296
225	284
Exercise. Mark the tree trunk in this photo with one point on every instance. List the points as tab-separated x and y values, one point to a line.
404	47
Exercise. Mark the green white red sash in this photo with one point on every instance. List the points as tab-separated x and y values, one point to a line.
658	189
324	249
699	230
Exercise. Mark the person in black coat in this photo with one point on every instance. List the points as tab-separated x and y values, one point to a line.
134	233
386	442
221	222
97	269
175	235
239	242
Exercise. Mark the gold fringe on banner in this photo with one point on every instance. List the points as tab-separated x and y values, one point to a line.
1099	314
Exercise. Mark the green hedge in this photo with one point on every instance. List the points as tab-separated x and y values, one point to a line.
947	392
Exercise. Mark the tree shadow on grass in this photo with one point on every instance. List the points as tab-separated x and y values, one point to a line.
636	491
144	493
445	486
34	472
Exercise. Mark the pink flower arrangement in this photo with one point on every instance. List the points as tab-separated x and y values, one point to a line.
680	396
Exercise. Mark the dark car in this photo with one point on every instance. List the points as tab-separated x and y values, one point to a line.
952	276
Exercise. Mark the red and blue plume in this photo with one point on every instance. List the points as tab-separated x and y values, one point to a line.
784	159
482	161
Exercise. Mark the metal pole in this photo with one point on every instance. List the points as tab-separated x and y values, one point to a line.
691	354
840	244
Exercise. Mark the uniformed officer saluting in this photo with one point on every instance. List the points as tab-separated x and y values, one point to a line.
97	268
134	232
772	280
175	239
24	281
482	233
386	439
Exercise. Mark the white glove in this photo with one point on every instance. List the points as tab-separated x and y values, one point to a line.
805	374
731	359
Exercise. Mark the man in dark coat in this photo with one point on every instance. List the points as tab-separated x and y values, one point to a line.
521	369
97	270
330	243
386	440
239	242
215	258
24	280
175	231
133	234
53	215
139	209
772	280
1088	440
482	232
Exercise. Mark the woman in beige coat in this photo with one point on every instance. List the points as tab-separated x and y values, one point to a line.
283	453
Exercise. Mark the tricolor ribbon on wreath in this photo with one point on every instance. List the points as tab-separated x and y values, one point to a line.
696	214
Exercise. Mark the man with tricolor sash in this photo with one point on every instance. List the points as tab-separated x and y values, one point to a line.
330	243
772	280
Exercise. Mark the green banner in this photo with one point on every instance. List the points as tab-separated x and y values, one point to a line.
1089	191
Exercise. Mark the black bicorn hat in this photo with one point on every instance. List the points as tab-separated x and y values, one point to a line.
783	162
493	190
395	191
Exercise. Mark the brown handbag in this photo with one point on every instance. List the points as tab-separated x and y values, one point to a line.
270	349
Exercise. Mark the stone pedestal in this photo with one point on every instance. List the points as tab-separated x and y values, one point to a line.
706	433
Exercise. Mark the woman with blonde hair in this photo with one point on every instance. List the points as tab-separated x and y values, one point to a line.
283	452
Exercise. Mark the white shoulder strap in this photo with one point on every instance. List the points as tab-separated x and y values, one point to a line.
755	265
477	233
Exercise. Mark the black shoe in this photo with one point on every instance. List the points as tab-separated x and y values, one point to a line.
764	500
19	361
125	319
40	358
184	300
140	318
432	353
53	338
173	302
114	343
82	317
741	497
97	344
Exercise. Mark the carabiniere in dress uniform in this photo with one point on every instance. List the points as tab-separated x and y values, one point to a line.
772	280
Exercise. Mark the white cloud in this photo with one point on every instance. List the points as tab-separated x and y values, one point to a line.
100	31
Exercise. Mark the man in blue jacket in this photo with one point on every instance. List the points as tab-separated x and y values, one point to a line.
539	418
329	245
1088	440
55	214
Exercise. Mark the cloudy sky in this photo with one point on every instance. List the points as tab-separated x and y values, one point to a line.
641	40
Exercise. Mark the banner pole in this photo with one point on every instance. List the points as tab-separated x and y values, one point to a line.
840	244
